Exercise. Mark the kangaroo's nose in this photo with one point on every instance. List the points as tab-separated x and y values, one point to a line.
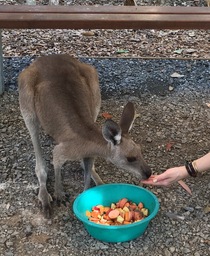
147	172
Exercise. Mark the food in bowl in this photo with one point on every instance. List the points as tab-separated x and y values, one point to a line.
121	213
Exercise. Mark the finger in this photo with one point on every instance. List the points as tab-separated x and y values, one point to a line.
150	178
150	182
156	182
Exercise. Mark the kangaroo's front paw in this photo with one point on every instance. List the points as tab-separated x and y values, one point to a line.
61	197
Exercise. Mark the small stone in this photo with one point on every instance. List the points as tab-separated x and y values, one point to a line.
9	244
167	252
186	250
196	254
149	140
28	230
172	249
9	253
189	209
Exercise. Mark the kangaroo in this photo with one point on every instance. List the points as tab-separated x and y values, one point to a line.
62	95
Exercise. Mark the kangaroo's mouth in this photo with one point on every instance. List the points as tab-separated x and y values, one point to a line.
143	175
146	175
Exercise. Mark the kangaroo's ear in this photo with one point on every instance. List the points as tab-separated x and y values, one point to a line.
127	118
111	132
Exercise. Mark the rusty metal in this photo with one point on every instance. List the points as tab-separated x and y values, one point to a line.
104	17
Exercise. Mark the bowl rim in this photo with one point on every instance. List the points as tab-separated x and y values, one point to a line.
90	223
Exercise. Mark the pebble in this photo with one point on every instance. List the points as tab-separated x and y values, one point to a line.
187	208
196	254
28	230
9	244
172	249
9	253
149	140
167	252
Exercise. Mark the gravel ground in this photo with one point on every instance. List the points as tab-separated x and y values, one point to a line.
172	98
171	110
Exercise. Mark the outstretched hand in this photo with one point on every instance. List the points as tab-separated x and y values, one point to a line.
168	177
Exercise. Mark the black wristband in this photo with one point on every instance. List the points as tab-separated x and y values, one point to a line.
190	169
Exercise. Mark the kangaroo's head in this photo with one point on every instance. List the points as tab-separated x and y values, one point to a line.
124	152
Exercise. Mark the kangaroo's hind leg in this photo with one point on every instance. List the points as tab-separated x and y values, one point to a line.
29	115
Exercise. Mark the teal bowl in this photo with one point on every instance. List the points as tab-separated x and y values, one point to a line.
110	193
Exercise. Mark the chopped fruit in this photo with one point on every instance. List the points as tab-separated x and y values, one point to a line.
145	212
120	213
120	219
113	214
88	214
122	202
140	205
113	206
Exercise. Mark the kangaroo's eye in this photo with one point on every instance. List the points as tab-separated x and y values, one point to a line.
131	159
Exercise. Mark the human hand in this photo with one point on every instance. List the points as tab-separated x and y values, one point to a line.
168	177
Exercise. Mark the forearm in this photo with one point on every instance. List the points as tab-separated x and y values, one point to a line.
203	164
181	172
200	165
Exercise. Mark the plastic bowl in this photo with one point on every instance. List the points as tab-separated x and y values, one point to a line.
111	193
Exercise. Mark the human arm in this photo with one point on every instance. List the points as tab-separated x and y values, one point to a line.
203	163
178	173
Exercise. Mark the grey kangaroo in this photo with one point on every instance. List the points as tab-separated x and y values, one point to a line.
62	95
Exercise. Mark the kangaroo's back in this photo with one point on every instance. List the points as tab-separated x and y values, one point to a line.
65	93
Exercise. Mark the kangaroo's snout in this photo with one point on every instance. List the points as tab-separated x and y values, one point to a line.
147	172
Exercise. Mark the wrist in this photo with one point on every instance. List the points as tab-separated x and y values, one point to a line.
183	173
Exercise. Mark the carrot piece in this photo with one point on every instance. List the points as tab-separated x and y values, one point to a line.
94	219
113	214
128	216
126	222
106	209
88	213
106	217
95	214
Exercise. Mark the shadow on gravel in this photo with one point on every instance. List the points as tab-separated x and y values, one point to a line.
135	77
